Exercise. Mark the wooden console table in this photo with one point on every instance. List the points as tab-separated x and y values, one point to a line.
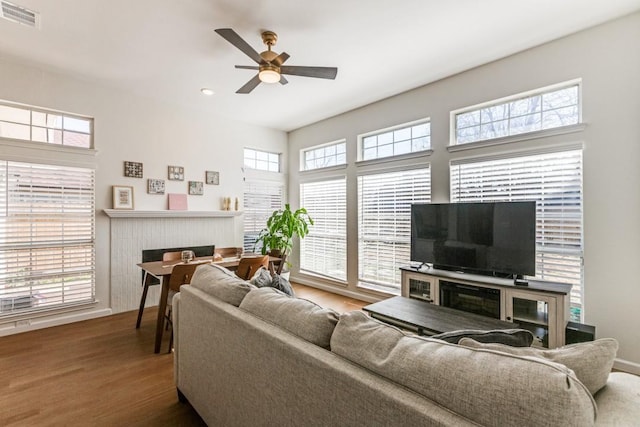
430	319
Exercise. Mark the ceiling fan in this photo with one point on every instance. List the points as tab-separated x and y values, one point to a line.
270	68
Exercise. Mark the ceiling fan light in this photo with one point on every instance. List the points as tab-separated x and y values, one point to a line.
269	76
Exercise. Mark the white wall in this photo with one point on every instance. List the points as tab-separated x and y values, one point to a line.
133	128
607	58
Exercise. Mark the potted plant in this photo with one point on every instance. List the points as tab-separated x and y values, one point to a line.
282	226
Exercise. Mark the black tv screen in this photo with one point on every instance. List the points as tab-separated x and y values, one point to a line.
483	238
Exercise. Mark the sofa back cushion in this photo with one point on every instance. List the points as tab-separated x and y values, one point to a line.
221	283
301	317
490	388
590	361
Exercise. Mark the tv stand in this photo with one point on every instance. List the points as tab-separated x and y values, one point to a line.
541	307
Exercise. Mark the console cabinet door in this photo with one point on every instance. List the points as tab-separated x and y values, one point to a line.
537	313
420	286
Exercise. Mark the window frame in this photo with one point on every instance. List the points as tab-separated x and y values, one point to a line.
336	143
402	126
255	160
454	145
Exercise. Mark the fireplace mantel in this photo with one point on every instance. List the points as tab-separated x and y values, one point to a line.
123	213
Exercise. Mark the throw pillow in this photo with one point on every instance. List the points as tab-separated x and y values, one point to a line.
262	278
221	283
303	318
591	361
512	337
282	284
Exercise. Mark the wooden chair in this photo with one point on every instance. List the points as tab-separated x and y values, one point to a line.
148	280
248	266
220	253
180	275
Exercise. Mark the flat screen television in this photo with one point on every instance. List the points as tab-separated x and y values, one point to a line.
497	239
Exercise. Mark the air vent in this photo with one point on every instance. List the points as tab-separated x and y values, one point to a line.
20	15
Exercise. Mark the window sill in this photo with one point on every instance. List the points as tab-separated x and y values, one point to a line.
381	290
517	138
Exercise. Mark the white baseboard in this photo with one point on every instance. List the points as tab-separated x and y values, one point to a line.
47	322
626	366
335	289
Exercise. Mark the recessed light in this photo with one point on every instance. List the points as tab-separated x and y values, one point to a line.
207	91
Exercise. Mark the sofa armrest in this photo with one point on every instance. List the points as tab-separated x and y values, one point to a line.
619	401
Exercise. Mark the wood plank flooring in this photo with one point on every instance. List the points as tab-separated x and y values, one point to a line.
101	372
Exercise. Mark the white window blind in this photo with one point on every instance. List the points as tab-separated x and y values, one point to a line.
47	229
545	109
260	200
324	250
554	181
384	223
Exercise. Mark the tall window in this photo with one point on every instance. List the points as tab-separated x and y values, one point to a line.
31	124
554	181
324	250
261	198
324	156
544	109
384	223
402	139
261	160
47	231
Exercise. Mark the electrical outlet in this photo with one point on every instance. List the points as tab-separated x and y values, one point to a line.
24	322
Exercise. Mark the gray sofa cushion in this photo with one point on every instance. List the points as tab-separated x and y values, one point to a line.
303	318
512	337
488	387
221	283
591	361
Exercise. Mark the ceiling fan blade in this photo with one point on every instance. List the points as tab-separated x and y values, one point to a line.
280	59
232	37
319	72
283	81
250	85
247	67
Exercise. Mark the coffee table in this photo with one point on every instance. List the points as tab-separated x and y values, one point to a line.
430	319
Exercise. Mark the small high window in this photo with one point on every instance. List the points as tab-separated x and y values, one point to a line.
543	109
324	156
261	160
402	139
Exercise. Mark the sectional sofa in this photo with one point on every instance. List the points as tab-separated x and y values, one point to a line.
247	356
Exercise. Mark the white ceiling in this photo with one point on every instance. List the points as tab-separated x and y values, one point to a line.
168	49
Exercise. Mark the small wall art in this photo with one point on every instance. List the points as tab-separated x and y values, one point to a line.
212	178
177	202
122	197
133	169
196	188
155	186
176	173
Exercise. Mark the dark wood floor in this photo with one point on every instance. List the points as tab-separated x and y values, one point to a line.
101	372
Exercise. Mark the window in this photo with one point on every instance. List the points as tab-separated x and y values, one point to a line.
403	139
30	124
384	223
324	250
260	200
261	160
47	231
324	156
545	109
554	181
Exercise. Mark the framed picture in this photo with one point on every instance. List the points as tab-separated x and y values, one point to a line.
212	178
176	173
133	169
122	197
196	188
155	186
